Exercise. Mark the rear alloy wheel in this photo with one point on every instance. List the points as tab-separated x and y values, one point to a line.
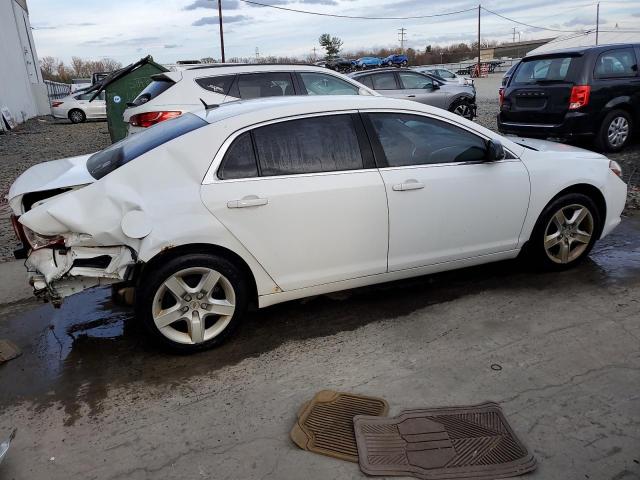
565	232
462	108
615	131
77	116
193	302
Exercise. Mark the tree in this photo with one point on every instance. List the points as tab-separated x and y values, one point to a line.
332	45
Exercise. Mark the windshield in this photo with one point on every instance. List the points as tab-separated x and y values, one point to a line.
542	70
106	161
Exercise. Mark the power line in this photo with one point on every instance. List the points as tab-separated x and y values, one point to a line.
356	16
526	24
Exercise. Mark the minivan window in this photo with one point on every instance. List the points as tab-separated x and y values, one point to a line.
616	63
323	84
151	91
271	84
240	159
220	84
106	161
417	140
308	145
542	70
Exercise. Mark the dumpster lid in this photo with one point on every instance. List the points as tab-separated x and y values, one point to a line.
117	75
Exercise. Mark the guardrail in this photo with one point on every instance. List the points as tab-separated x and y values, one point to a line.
470	64
56	90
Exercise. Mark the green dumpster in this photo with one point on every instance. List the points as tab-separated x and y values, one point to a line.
123	86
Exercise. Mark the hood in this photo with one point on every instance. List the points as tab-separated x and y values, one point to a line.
63	173
547	146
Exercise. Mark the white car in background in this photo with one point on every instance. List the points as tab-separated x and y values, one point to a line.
264	201
171	94
78	108
445	75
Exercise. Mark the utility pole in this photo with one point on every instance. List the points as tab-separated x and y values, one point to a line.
257	54
479	7
401	34
597	21
514	35
315	57
221	34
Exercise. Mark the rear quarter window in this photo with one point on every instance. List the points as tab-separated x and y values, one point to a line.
220	84
620	62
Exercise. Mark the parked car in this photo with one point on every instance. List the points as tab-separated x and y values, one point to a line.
585	92
395	61
171	94
444	75
340	64
410	85
368	62
78	108
212	211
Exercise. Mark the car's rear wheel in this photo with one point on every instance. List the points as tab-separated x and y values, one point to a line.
615	131
565	232
462	107
192	302
77	116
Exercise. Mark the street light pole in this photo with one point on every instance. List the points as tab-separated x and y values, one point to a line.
597	21
221	34
479	7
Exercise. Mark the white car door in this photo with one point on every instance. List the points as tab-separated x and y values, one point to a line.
445	202
311	208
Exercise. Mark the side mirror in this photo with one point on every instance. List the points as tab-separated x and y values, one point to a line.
434	86
495	151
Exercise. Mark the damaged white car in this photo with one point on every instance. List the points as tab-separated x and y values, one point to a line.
264	201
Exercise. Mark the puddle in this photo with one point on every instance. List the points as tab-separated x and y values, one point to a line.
75	354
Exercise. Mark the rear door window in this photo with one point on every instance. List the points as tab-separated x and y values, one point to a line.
240	159
616	63
220	84
271	84
323	84
366	80
384	81
308	145
155	88
542	70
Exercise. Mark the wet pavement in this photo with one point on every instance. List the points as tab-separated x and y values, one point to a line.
88	365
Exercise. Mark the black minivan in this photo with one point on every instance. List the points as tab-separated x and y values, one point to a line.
580	92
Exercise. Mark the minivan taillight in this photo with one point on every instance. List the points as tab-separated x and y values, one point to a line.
147	119
501	95
579	96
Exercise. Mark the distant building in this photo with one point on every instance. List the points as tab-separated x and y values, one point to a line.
511	50
22	90
588	39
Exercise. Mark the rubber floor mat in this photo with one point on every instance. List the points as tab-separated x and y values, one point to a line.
474	442
325	424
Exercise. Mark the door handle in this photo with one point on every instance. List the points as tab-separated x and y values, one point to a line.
249	201
411	96
408	185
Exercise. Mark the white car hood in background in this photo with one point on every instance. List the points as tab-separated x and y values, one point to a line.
554	147
63	173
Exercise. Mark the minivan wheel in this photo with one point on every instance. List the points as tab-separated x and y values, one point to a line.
462	107
615	131
192	302
77	116
565	232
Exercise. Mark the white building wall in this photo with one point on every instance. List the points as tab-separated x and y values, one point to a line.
22	90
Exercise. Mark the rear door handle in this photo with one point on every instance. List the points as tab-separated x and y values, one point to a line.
408	185
249	201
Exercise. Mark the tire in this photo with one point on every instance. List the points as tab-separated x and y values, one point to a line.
77	116
404	64
615	131
193	302
464	108
574	228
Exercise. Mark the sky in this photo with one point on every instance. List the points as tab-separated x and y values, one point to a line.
171	30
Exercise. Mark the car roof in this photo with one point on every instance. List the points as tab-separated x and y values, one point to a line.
577	50
220	69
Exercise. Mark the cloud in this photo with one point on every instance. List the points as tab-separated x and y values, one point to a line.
127	42
82	24
583	20
226	4
214	20
172	45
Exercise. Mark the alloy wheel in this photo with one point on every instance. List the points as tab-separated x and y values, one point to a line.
76	117
463	110
193	305
568	233
618	132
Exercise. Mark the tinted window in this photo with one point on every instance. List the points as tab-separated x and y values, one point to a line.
106	161
446	74
414	80
543	70
384	81
416	140
240	159
219	85
322	84
152	90
616	63
84	96
366	80
256	85
309	145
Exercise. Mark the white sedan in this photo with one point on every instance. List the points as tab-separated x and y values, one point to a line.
264	201
78	108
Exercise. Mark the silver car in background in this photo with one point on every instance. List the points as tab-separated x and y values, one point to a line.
411	85
445	75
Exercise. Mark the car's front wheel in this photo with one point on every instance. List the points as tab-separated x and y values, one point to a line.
615	131
192	302
565	232
77	116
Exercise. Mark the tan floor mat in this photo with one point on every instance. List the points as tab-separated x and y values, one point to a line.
325	424
473	442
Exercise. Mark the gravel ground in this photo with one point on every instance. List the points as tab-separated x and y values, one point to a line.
35	141
44	138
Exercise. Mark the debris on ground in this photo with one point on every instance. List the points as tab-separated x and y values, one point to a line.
8	351
4	446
